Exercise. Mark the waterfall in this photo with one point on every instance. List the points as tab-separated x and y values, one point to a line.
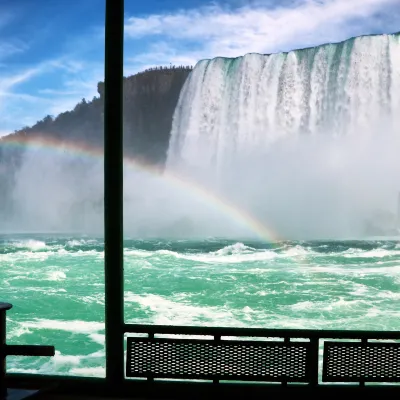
314	120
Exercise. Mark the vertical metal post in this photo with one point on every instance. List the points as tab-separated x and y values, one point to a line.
113	192
313	366
3	388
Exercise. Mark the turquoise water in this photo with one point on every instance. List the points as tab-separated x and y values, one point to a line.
56	285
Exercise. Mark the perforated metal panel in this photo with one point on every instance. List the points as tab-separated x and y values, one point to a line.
359	362
218	360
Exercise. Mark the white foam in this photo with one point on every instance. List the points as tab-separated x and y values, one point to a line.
18	331
75	326
360	290
81	242
387	294
329	305
24	256
60	359
98	338
56	276
237	248
166	311
88	371
302	305
231	254
73	243
375	253
93	299
18	370
31	244
297	251
355	270
138	253
227	255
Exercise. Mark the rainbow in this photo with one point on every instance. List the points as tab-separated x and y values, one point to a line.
223	205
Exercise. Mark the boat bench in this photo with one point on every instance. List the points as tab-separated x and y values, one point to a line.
283	361
16	350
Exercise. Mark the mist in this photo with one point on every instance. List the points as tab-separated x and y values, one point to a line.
63	193
305	142
314	186
299	187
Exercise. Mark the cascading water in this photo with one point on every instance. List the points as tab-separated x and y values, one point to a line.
256	99
305	140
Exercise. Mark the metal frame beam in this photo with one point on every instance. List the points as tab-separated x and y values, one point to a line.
113	191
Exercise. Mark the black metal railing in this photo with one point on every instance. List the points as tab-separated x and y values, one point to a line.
213	362
269	355
15	350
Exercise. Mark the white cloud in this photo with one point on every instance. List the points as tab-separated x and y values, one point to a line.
79	83
17	109
11	109
71	66
11	101
53	85
20	97
8	82
213	31
9	49
61	92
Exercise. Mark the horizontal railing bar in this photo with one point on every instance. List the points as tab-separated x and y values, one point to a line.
88	385
260	332
243	343
26	377
29	350
219	377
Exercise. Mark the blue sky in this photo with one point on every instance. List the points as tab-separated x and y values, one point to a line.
51	51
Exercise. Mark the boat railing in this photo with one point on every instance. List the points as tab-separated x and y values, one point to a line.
268	355
15	350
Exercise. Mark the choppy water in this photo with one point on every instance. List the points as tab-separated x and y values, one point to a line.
56	285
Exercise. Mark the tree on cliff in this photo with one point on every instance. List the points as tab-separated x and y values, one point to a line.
150	98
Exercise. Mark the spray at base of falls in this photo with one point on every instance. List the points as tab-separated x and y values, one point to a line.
305	140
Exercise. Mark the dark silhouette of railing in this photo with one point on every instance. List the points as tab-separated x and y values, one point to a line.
15	350
245	354
171	360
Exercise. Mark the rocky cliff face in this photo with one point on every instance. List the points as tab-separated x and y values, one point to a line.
149	103
150	99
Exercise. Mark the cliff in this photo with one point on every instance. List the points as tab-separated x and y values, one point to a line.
150	98
149	103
